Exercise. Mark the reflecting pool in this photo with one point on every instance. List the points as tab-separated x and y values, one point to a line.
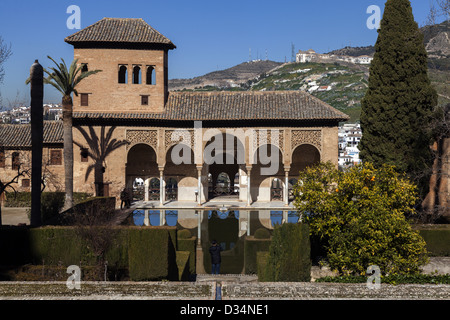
227	227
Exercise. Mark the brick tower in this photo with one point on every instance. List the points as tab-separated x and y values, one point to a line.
133	58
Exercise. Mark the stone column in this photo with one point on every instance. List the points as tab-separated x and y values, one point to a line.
200	269
161	186
146	182
286	186
199	185
146	219
162	217
249	195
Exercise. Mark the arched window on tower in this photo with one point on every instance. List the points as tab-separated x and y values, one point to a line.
123	74
151	75
136	75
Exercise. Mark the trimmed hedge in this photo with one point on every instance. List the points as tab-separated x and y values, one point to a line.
183	258
150	254
262	233
289	254
23	199
252	247
262	257
147	253
189	245
392	279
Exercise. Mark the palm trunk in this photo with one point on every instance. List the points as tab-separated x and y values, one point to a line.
37	95
68	151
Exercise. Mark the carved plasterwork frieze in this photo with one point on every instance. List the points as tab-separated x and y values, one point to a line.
312	137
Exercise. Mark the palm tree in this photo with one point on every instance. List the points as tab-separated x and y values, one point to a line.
98	150
65	81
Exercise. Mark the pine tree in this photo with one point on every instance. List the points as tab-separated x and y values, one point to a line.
398	106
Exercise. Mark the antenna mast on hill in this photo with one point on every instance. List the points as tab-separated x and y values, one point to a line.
266	56
293	53
249	54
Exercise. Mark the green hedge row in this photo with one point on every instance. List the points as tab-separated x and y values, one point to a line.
392	279
252	247
187	243
289	255
146	253
23	199
51	202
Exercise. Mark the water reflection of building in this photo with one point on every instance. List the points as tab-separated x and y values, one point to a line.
229	227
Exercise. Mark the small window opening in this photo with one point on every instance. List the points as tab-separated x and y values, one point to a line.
144	100
123	74
151	75
136	75
55	157
84	99
25	183
15	161
84	67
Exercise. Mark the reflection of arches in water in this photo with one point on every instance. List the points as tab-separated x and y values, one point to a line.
224	228
276	217
223	214
153	216
171	217
154	189
171	189
292	217
138	217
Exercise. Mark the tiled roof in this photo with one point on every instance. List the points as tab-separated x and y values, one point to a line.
19	135
119	30
243	105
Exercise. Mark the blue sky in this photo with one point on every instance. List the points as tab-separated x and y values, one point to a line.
209	35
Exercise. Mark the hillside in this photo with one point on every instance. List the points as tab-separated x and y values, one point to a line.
342	85
354	51
436	39
230	77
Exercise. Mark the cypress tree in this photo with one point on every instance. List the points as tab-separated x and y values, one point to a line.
398	106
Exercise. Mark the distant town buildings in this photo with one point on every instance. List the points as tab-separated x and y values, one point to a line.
21	115
349	136
312	56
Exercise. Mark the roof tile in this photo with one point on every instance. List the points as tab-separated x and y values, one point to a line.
19	135
242	105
